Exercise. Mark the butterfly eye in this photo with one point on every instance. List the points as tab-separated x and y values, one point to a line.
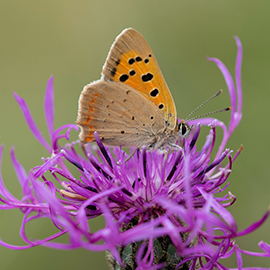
183	129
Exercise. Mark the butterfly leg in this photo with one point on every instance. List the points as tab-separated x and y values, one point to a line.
130	156
173	145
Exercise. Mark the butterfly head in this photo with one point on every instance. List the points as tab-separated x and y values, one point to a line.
183	129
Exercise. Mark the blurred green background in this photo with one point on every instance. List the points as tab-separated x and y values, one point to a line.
71	39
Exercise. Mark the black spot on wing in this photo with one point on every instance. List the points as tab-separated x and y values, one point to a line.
123	78
138	59
131	61
113	71
161	106
147	77
154	92
132	72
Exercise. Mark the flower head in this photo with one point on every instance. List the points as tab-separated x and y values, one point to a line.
164	211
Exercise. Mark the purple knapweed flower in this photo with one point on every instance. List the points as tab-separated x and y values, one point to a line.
159	212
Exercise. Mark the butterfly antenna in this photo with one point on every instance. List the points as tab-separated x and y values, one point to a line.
203	115
215	95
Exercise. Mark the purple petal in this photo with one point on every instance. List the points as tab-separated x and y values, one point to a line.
2	243
229	81
195	136
238	67
102	149
31	123
209	122
3	190
265	247
255	225
46	166
19	169
56	136
239	258
49	107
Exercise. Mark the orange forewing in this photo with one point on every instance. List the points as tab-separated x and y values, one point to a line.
131	61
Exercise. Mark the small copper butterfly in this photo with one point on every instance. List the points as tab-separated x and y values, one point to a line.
131	105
